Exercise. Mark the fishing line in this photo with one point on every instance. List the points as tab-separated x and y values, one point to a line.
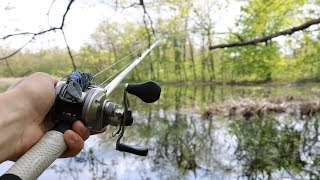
117	72
139	49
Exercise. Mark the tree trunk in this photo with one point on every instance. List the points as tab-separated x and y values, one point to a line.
203	60
177	58
212	73
114	52
192	59
152	76
184	60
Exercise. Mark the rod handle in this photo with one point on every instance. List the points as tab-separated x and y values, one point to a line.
148	92
37	159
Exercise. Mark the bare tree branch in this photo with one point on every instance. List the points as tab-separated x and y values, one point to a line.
34	35
265	39
146	27
16	34
49	10
9	68
145	13
69	51
65	14
131	5
146	16
16	51
51	6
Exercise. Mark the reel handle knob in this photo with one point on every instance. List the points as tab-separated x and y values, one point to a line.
148	92
137	150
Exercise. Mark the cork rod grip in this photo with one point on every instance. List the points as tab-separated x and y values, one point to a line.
34	162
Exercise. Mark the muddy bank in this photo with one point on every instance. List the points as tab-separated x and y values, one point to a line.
248	108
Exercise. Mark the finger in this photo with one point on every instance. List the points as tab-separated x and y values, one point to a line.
74	142
15	84
48	123
42	77
81	130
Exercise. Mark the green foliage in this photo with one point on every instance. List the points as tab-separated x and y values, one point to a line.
252	62
266	145
53	61
183	55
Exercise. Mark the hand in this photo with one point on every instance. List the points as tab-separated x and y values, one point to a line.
24	120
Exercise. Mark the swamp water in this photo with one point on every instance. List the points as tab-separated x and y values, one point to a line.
183	144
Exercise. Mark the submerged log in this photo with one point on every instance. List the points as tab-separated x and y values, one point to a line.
248	108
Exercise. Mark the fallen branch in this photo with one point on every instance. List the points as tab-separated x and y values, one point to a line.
269	37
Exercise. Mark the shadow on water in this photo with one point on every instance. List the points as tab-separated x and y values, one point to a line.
185	145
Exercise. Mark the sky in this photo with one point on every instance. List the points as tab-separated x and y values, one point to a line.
81	21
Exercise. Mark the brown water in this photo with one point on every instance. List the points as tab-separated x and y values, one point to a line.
185	145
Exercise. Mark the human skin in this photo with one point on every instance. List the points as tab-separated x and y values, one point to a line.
24	118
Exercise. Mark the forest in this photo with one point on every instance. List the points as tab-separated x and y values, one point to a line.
240	83
188	51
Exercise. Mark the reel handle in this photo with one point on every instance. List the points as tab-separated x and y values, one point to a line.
137	150
148	92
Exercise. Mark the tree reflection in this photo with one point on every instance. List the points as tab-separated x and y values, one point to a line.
184	145
267	147
177	146
86	162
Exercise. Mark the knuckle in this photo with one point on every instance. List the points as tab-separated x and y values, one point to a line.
39	75
43	77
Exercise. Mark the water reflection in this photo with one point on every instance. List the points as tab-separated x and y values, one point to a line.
265	146
278	148
185	145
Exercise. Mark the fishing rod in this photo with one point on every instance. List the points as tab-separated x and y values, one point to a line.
78	98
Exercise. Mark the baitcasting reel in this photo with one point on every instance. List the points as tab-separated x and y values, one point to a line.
78	98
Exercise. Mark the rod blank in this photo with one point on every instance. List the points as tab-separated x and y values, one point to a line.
114	83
